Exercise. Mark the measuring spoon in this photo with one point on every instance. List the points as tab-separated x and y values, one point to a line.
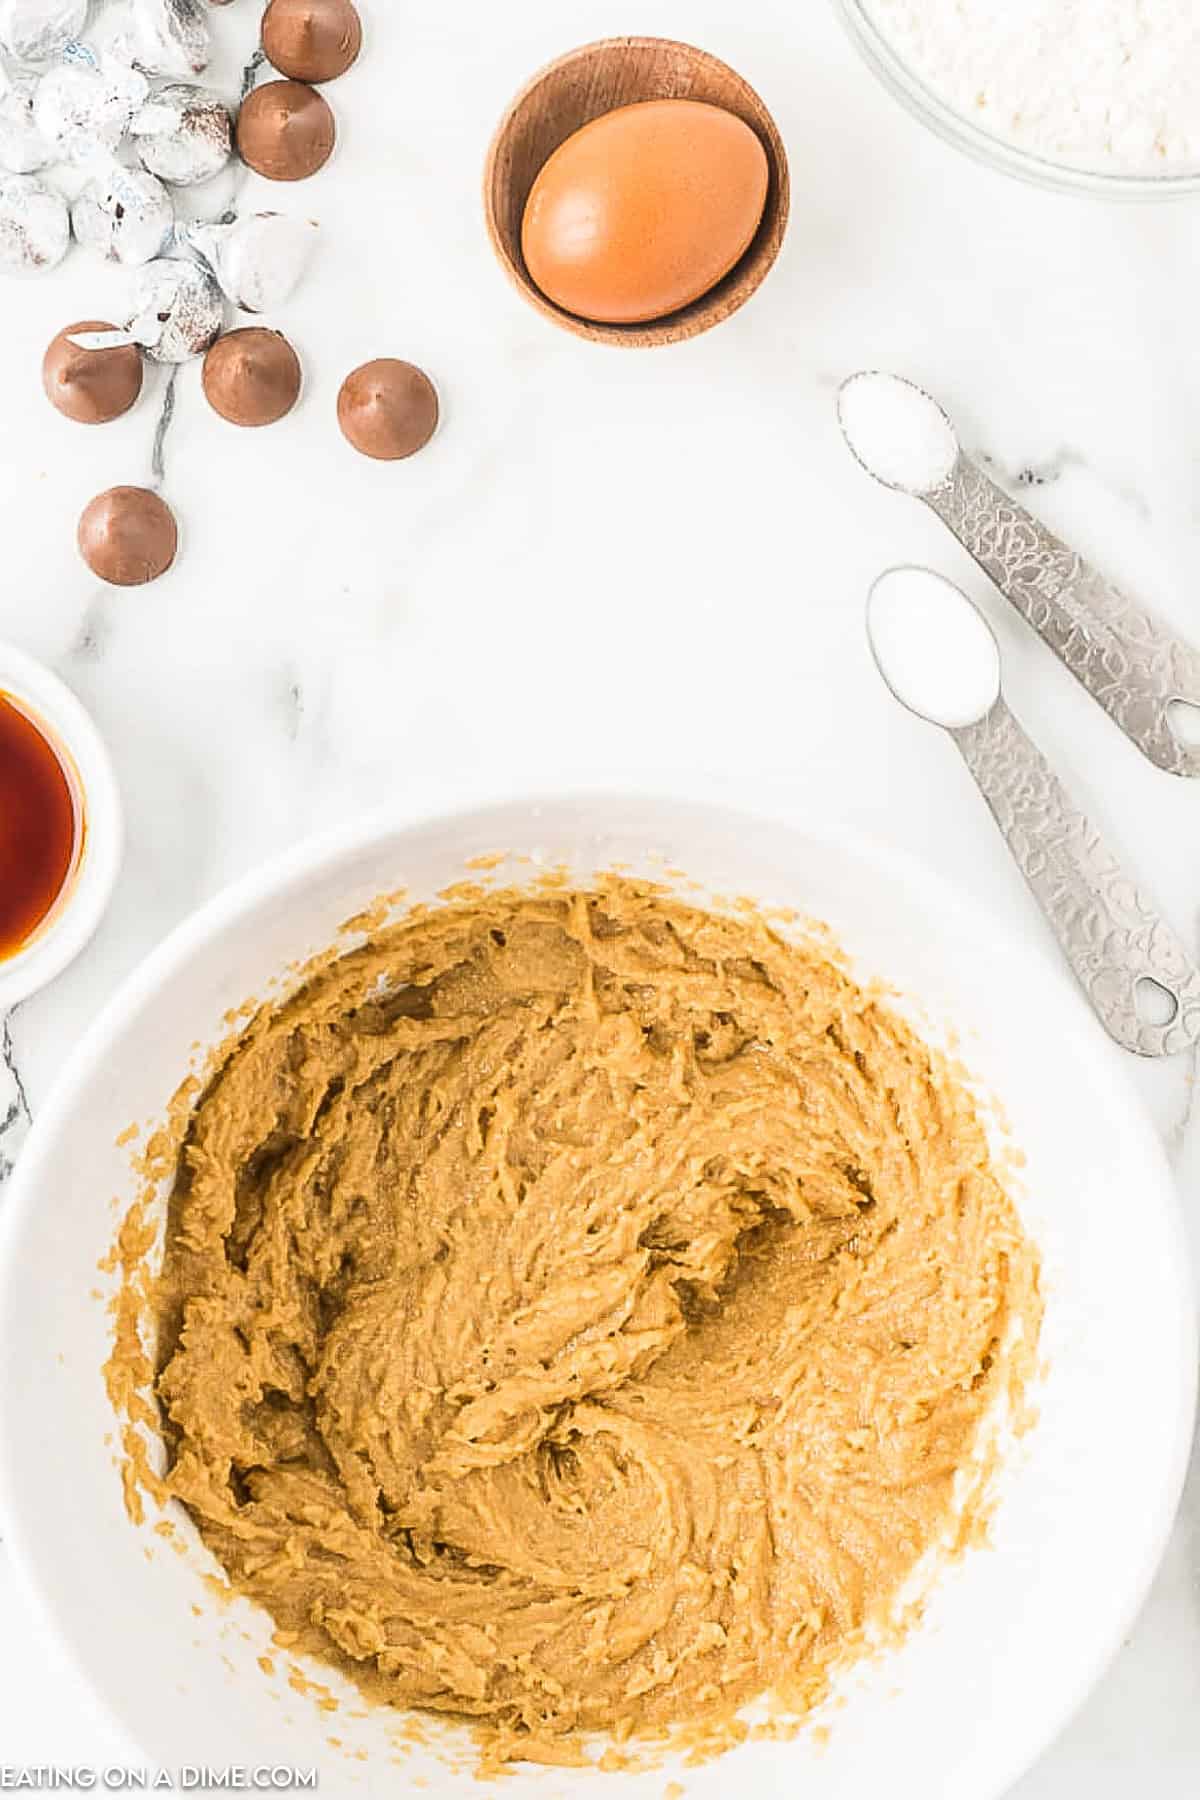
938	656
1137	669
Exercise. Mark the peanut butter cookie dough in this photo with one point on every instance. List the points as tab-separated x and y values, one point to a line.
577	1309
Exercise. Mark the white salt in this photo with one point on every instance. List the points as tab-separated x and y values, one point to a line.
934	650
898	432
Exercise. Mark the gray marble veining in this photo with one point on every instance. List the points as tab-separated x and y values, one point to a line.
15	1116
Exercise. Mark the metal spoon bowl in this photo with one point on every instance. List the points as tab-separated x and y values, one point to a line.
1138	975
1126	659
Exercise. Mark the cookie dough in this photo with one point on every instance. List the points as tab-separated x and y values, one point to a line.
577	1309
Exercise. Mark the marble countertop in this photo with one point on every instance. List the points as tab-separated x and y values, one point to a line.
612	564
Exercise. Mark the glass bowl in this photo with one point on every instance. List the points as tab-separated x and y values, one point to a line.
955	128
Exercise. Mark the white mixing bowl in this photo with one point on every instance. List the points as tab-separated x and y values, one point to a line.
1015	1634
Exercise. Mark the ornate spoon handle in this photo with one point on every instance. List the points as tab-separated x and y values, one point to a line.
1124	658
1113	937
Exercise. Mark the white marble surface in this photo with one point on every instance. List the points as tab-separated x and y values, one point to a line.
621	564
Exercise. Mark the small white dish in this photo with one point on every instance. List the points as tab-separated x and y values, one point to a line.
84	899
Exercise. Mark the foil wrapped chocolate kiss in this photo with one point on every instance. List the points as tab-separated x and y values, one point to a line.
125	215
179	313
36	31
23	149
183	134
35	226
84	104
257	259
169	37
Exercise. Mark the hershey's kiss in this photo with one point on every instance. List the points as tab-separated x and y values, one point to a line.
170	37
311	40
252	377
180	312
258	259
128	536
125	214
36	31
35	226
183	134
23	149
388	409
92	387
286	131
83	105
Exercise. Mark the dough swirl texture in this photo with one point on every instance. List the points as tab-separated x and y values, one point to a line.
577	1309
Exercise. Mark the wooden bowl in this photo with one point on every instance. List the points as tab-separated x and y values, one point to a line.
597	79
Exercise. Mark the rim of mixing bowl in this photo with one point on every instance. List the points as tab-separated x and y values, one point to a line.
656	807
955	128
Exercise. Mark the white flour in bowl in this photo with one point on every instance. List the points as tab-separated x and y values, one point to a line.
1112	85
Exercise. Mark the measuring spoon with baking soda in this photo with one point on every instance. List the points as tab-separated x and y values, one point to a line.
1145	678
937	654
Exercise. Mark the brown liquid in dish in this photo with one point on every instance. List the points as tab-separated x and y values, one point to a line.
38	827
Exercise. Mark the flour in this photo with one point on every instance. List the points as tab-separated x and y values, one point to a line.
1112	85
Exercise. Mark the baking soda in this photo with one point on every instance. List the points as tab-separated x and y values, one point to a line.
934	650
898	432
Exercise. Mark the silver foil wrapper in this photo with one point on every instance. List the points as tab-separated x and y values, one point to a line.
179	311
36	31
23	149
258	259
124	214
170	37
180	314
83	106
35	226
183	134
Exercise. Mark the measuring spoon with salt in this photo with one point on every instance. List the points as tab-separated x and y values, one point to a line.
1138	670
937	654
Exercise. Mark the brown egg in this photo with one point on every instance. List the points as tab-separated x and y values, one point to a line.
644	210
